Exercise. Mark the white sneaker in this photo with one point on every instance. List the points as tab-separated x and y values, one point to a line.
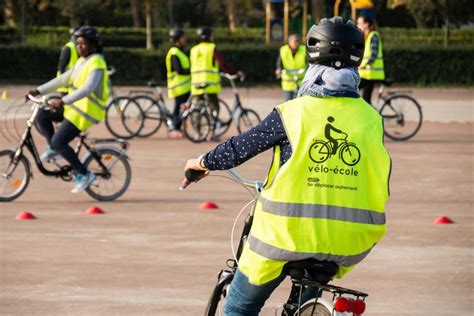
83	181
49	154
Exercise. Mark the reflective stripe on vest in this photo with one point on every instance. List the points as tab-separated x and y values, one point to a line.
204	70
291	63
339	213
375	71
177	84
278	254
308	208
72	60
89	110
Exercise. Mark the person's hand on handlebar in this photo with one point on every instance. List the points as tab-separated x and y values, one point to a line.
31	92
194	171
55	103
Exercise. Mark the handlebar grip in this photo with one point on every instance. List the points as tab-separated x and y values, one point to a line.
194	175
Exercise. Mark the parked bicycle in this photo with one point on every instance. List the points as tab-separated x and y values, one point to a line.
124	118
154	109
402	115
305	275
198	121
109	163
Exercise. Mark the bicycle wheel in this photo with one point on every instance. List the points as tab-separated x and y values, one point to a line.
197	125
312	308
110	184
215	305
124	118
225	119
349	154
14	176
402	117
246	120
319	152
153	115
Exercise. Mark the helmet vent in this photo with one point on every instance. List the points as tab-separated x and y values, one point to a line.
313	41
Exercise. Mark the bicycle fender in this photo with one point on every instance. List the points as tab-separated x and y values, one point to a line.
98	149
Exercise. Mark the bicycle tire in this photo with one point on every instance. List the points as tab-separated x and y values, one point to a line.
153	115
225	119
92	190
217	299
197	122
246	120
395	120
309	308
8	155
131	118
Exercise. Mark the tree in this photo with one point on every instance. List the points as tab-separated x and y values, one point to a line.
79	11
149	20
450	11
231	15
136	13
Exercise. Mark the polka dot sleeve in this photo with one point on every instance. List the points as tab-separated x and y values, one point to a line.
238	149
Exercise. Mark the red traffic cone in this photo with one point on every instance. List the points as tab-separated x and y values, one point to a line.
208	206
25	216
94	210
443	220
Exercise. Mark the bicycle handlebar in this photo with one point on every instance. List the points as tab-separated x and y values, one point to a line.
196	175
110	70
39	101
231	77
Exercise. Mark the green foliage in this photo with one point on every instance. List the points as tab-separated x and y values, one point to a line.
135	37
420	66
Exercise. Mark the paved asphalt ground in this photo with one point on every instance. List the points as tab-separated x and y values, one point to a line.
155	253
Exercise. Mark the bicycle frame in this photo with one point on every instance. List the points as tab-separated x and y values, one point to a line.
64	171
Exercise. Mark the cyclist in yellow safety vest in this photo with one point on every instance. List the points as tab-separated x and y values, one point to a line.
67	59
292	57
322	199
179	77
83	106
205	77
372	67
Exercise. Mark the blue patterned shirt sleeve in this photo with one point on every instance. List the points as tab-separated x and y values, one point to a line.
238	149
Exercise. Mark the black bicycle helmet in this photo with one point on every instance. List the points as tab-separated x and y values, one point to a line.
175	34
88	32
335	42
204	32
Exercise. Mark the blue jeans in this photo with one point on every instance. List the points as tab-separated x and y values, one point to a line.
245	299
289	95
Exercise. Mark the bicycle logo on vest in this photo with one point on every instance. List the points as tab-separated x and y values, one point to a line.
321	150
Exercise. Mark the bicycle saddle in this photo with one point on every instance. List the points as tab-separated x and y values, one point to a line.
315	270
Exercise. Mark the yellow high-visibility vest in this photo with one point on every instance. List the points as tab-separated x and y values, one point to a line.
292	64
204	71
72	60
89	110
177	84
376	70
318	204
